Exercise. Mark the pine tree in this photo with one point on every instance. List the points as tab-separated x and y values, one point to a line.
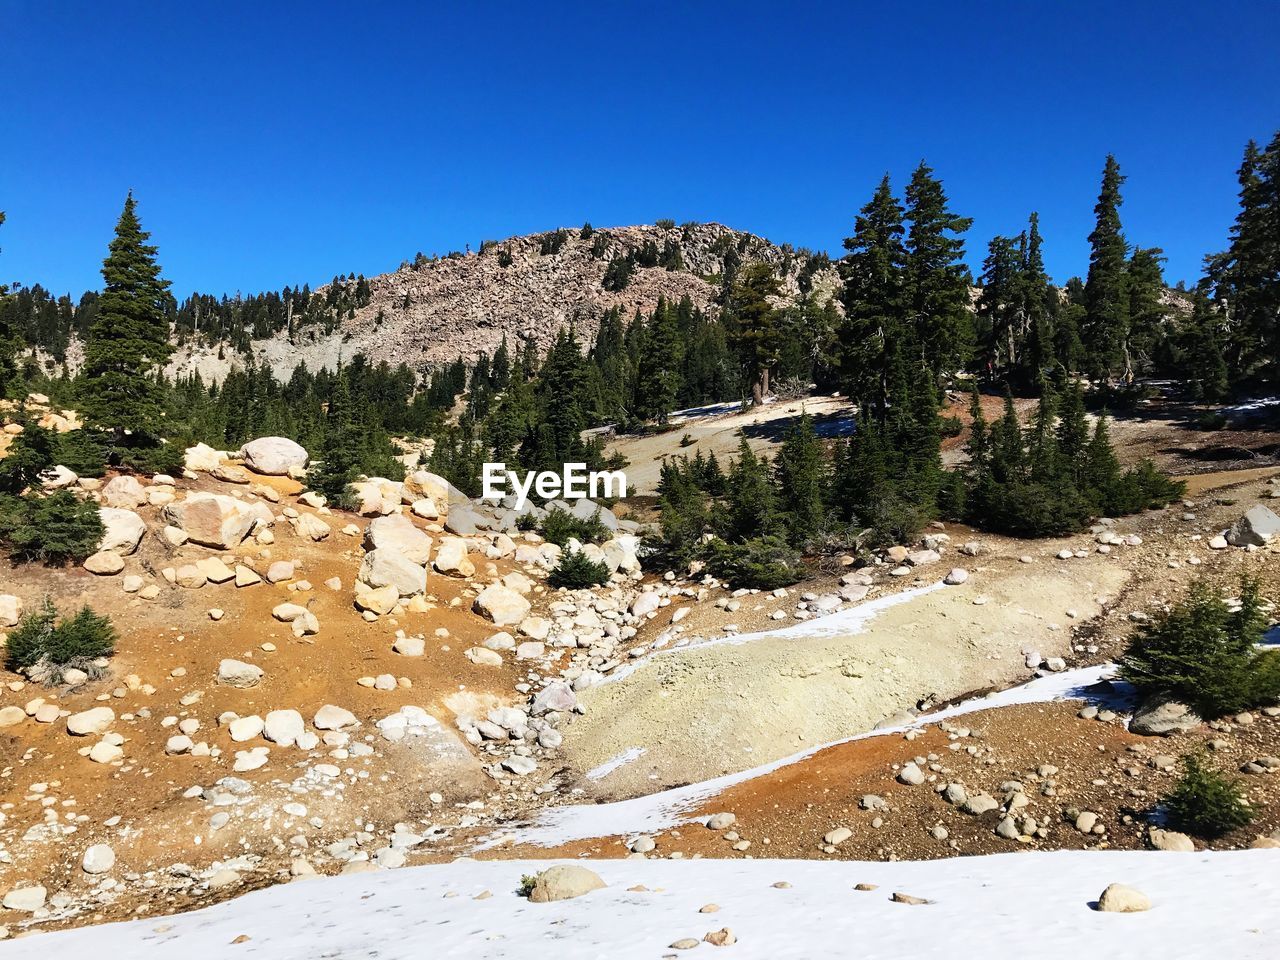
800	472
1144	282
874	299
753	325
128	344
1106	298
1073	431
937	279
1245	278
8	338
751	500
1204	368
658	381
340	452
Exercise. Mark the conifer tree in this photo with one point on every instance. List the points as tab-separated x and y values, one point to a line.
800	471
937	279
752	504
340	451
754	325
1106	298
1144	282
1245	278
1203	365
874	299
1073	431
128	344
658	381
8	337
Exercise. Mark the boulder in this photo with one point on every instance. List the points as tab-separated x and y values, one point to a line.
423	484
502	605
274	456
557	697
564	882
10	610
280	571
330	717
397	532
1171	840
202	457
236	673
90	722
452	558
122	530
376	496
377	600
310	527
1163	718
124	492
215	520
1118	898
463	521
585	509
246	577
99	858
1256	528
25	899
390	568
283	727
104	563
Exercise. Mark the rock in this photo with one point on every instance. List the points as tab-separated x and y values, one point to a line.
214	570
99	858
230	473
26	899
837	836
908	898
564	882
1171	840
245	577
381	600
1118	898
463	521
104	564
386	567
721	938
10	610
484	657
236	673
979	804
645	603
397	533
684	943
124	492
330	717
57	477
520	766
920	558
202	457
122	531
556	696
274	456
243	729
424	484
1163	718
721	821
1218	543
1086	821
452	558
215	520
376	496
90	722
1256	528
284	727
190	576
12	716
105	751
911	775
502	605
425	508
279	571
310	527
957	576
409	646
1008	828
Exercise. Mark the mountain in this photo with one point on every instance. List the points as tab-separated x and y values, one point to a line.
435	310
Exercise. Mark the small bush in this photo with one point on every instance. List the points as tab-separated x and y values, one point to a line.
577	571
765	563
40	638
55	530
1205	803
79	450
1204	655
1210	421
561	526
527	883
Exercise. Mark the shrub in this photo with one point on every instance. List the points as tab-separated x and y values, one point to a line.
54	530
1204	655
40	638
1142	488
561	526
151	459
576	571
1206	803
765	563
80	451
31	452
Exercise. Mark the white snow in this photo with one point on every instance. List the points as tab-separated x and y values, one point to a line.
621	760
670	808
1010	905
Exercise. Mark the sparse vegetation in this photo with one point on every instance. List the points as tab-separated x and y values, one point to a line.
1205	803
44	639
561	526
55	530
577	571
1205	655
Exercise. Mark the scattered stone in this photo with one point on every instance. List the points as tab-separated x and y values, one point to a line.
1118	898
564	882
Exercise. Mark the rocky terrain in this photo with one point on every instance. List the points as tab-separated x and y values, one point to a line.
299	690
437	310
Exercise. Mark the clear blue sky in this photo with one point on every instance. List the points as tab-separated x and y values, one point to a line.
274	143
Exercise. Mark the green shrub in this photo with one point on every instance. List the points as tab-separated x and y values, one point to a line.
80	451
765	562
561	526
42	638
576	571
1204	655
55	530
1205	803
150	460
1142	488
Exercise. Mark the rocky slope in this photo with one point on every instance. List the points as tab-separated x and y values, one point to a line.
462	305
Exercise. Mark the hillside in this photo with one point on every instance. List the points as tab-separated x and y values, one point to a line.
436	310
